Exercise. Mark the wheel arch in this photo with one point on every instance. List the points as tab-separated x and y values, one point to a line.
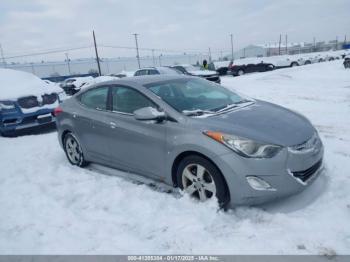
184	154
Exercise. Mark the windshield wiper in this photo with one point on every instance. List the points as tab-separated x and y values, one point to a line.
229	106
225	108
197	112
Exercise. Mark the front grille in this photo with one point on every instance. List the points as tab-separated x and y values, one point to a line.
49	99
28	102
306	174
32	101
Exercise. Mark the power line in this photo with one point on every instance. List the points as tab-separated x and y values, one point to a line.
48	52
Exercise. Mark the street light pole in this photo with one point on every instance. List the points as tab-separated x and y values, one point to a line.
231	47
154	62
2	56
279	45
68	63
137	50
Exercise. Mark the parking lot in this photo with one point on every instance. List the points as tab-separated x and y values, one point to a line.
49	206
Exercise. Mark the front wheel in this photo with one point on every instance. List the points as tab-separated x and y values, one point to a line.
240	72
202	180
73	151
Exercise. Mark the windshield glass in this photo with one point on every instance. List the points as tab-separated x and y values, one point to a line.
191	68
192	94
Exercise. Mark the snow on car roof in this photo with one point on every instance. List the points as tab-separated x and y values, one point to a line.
15	84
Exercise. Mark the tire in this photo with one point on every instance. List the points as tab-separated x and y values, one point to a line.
201	179
307	62
240	72
73	151
294	64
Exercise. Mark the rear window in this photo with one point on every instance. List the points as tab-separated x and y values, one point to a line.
95	98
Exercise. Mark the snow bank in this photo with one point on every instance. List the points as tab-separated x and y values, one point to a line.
48	206
15	84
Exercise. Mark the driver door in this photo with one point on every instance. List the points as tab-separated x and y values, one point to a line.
137	146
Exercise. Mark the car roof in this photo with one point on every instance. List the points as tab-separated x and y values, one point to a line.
144	80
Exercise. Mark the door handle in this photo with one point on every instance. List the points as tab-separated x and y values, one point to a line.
112	124
74	115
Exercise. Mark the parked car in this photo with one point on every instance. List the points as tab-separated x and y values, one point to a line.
26	102
220	67
193	134
346	62
196	71
161	70
74	84
238	70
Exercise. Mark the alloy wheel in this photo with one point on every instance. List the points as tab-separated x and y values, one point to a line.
73	150
198	182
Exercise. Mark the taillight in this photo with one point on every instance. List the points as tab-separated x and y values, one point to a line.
57	111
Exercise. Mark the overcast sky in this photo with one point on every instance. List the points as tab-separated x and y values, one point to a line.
33	25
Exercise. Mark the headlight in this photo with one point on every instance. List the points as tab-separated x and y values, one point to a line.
6	105
245	147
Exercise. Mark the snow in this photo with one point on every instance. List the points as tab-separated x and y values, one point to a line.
100	79
50	207
16	84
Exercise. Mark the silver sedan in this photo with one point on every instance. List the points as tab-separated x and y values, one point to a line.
192	134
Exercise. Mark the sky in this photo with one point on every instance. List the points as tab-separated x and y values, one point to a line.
30	26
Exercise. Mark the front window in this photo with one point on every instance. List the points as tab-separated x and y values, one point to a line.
186	95
127	100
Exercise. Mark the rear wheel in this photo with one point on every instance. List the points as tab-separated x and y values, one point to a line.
202	180
240	72
294	64
73	151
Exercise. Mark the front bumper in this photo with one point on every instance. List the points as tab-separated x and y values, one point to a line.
20	123
279	172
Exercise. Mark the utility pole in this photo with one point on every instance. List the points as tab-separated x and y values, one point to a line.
2	56
336	43
137	50
231	47
279	45
209	55
154	62
33	70
286	44
345	40
314	44
221	57
97	58
68	63
160	61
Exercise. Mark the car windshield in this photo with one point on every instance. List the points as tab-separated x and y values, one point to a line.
192	95
191	68
168	71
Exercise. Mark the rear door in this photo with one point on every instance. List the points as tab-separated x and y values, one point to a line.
138	146
92	123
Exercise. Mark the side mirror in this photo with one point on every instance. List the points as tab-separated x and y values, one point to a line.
149	113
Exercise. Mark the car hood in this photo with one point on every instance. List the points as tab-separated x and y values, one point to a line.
203	73
262	122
